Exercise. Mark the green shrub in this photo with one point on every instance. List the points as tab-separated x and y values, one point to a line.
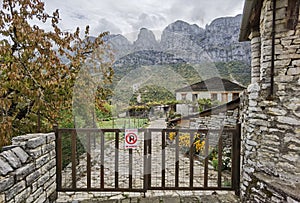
226	158
67	149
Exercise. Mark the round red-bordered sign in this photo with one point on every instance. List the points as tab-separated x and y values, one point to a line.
131	138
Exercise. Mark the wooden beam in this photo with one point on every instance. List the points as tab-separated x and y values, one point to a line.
254	19
292	14
251	18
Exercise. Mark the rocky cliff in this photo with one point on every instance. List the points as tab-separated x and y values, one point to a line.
221	40
145	41
183	46
218	42
119	44
183	40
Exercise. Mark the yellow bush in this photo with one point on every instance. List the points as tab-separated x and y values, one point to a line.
184	141
172	136
199	145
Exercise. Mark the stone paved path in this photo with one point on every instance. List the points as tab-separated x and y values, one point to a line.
109	171
222	198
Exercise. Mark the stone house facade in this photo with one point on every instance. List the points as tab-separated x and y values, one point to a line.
215	88
271	107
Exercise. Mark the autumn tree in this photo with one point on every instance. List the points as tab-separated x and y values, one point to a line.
39	67
152	94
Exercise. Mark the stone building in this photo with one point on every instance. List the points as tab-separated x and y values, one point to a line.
215	88
271	107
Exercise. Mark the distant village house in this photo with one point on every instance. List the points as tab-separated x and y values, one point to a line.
216	89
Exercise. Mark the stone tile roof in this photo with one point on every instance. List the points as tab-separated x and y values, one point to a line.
212	84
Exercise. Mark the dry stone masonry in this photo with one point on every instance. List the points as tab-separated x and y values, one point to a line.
271	125
228	118
27	170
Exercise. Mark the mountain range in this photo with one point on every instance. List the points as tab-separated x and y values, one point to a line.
218	41
210	51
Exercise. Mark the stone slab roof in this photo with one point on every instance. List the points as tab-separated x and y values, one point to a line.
212	84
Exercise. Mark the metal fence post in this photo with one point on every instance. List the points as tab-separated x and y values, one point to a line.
58	158
236	152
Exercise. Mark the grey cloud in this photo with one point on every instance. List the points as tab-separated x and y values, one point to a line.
191	11
198	14
230	6
105	25
148	21
203	11
79	16
121	16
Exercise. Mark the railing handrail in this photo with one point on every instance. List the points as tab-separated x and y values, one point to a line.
148	129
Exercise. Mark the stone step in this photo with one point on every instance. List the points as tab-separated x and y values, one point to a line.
224	198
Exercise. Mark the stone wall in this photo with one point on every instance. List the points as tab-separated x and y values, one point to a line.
27	169
228	119
215	121
271	126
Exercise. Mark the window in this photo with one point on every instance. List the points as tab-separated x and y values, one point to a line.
214	96
224	97
195	97
235	96
183	97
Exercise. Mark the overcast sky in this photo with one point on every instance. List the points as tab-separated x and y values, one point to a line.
128	16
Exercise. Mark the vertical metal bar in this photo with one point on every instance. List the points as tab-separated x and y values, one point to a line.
220	149
191	156
102	160
238	160
236	150
145	187
233	160
149	158
206	161
163	159
272	72
88	159
130	168
177	160
73	159
117	160
58	158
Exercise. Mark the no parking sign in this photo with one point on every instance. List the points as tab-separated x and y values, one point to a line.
131	138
